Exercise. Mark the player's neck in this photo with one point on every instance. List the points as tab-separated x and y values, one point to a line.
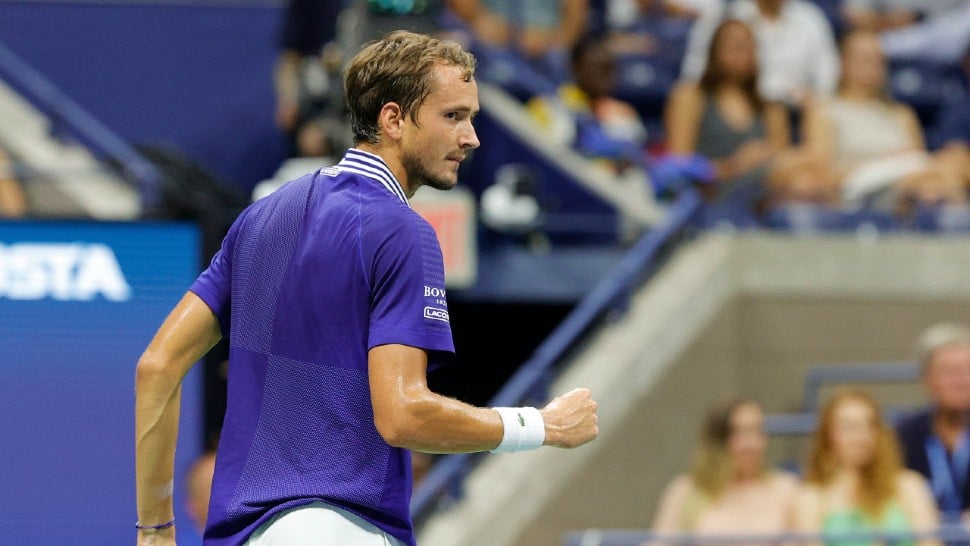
394	163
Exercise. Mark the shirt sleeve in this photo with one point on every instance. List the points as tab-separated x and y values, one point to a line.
214	285
407	287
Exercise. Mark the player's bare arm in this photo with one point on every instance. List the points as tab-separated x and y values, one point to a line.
409	415
190	330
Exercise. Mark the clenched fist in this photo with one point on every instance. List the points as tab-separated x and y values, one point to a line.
570	419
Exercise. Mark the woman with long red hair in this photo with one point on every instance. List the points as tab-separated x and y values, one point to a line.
855	481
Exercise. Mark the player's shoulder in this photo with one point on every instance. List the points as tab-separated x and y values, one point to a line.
395	221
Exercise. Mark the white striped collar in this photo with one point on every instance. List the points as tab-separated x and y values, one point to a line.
372	166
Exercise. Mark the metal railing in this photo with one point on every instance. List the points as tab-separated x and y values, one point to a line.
949	533
67	115
874	372
535	374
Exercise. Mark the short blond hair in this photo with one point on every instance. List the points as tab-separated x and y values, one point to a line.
396	69
938	336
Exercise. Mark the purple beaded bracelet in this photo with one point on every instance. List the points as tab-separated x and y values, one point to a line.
158	527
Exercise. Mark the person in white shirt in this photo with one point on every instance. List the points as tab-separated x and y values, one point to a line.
797	53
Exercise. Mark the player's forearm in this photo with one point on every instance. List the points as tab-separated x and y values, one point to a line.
157	398
437	424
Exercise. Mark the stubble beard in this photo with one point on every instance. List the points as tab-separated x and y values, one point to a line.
419	175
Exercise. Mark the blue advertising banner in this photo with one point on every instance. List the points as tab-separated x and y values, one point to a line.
79	302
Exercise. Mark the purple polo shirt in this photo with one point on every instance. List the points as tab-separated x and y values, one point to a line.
307	281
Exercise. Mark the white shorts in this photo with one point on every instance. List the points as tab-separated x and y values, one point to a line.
319	524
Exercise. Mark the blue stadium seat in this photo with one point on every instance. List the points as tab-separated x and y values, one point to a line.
671	33
943	220
644	82
513	74
924	86
729	216
816	219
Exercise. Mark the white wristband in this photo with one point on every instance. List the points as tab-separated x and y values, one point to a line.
523	429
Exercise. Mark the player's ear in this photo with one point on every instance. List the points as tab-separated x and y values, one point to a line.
391	120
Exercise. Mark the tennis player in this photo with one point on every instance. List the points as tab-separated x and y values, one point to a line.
331	291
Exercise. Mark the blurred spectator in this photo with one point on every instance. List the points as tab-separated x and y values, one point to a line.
876	143
724	118
694	9
541	31
13	202
855	481
952	127
796	48
309	57
936	440
323	136
941	37
655	28
881	15
729	489
583	115
379	17
624	13
198	487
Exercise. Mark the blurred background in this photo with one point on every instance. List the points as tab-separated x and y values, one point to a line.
676	202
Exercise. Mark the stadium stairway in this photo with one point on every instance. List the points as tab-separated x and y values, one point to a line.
61	178
730	314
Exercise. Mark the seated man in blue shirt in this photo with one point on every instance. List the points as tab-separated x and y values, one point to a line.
331	291
936	440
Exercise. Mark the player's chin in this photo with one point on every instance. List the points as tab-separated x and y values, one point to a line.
445	181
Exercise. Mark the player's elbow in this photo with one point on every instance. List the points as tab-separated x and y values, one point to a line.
402	426
392	431
151	369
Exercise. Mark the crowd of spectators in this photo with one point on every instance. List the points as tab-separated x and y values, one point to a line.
861	473
773	102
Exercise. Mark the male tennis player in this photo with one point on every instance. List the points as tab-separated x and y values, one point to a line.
332	293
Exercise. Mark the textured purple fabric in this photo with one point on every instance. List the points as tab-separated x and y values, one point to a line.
307	281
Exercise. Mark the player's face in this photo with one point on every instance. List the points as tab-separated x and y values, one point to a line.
443	134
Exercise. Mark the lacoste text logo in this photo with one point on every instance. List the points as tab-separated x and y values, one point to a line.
436	314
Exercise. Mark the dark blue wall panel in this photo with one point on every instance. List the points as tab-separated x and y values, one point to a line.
198	77
79	302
